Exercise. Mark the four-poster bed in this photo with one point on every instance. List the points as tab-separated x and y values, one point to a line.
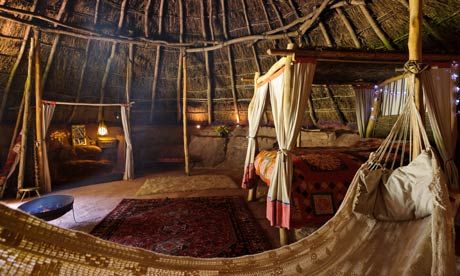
393	95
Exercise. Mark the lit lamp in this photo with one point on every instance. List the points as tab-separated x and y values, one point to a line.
102	129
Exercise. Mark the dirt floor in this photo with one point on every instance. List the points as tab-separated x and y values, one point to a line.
93	202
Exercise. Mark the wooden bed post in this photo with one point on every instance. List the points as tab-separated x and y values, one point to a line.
374	114
415	54
184	112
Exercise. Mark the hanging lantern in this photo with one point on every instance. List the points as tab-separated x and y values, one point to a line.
102	129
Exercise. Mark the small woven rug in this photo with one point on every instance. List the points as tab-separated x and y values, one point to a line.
169	184
203	227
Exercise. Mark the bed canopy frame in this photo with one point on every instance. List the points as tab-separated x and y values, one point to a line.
289	83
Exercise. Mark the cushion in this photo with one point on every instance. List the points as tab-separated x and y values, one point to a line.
399	195
87	152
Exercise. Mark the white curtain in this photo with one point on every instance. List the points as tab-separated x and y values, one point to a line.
289	94
47	116
364	97
394	95
255	111
440	100
129	162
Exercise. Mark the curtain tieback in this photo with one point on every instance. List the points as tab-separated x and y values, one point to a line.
251	137
284	152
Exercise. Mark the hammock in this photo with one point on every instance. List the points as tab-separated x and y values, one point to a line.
394	220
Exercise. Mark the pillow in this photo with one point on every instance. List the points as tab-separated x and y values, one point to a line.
87	152
399	195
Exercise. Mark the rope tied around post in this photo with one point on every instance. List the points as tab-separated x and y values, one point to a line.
415	67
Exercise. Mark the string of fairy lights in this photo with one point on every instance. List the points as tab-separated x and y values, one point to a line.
455	77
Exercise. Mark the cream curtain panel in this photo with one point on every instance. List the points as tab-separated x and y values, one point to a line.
364	97
129	160
394	95
255	111
440	101
289	94
47	116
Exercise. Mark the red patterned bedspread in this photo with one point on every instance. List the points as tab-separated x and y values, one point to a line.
320	182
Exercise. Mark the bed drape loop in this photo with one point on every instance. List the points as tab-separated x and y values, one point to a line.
289	93
415	67
255	111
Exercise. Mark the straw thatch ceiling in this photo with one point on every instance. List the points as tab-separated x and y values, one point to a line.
159	29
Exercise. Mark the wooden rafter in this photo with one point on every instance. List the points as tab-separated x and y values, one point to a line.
378	31
146	17
54	45
326	37
335	105
180	60
80	81
156	68
280	19
230	62
362	56
305	22
248	27
12	74
207	65
349	28
108	65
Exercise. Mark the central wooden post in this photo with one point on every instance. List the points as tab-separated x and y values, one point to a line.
38	112
184	113
415	54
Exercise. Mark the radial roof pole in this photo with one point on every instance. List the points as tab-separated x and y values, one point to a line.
415	54
38	112
25	120
184	113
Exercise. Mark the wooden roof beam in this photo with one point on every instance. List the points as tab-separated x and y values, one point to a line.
12	74
361	56
348	26
248	27
54	45
207	64
378	31
181	62
157	63
230	62
108	65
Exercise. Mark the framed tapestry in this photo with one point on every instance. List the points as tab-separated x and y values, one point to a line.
78	135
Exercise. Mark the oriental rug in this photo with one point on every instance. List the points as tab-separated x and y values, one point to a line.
204	227
171	184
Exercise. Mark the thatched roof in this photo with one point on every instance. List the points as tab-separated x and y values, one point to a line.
157	38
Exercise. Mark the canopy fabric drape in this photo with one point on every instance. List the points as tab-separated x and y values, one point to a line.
255	111
439	88
47	116
394	95
129	160
356	241
289	94
47	113
364	97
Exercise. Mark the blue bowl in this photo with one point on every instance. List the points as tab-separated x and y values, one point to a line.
48	207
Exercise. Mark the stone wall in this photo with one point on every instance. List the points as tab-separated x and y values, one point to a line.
152	144
211	150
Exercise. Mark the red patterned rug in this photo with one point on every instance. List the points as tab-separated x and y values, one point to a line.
204	227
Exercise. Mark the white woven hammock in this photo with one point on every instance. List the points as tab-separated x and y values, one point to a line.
391	222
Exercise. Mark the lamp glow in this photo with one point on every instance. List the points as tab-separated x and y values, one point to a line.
102	129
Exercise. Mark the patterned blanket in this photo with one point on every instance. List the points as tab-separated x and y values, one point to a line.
320	182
